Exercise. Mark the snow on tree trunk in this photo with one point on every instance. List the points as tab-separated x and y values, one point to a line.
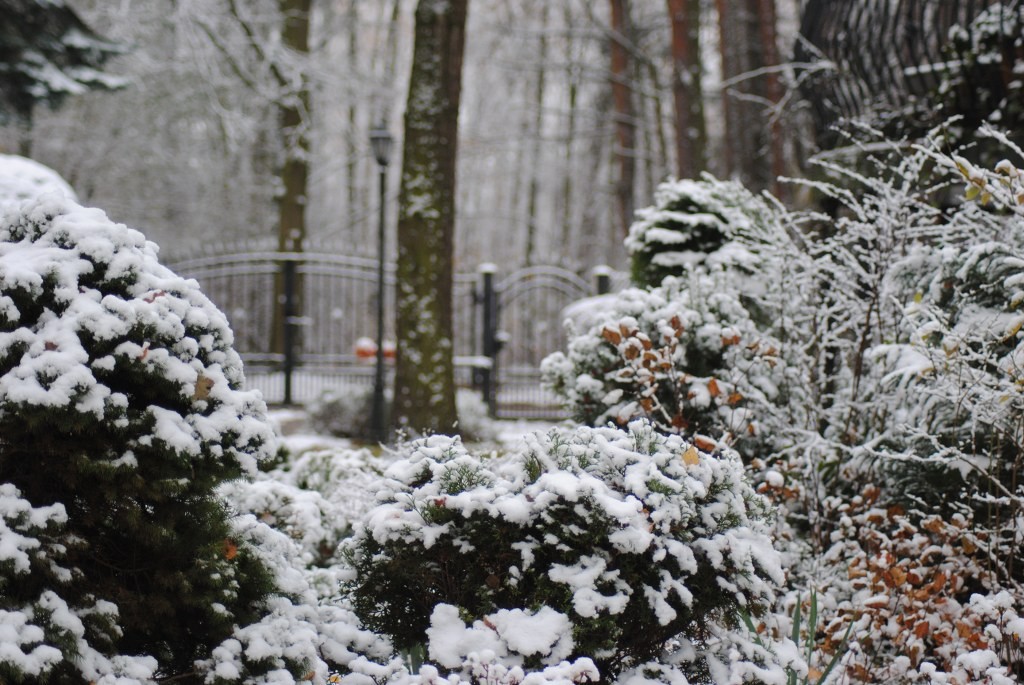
294	119
424	375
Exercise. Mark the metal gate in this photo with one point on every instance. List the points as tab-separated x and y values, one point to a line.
504	325
527	325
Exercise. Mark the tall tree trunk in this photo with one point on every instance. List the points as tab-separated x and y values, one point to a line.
747	33
690	125
293	117
294	126
768	22
569	240
424	397
659	147
24	129
352	194
728	35
624	115
538	131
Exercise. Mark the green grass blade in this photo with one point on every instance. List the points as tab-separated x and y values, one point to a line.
812	626
796	636
752	628
838	655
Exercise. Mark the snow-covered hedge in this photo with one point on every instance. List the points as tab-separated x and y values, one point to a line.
122	408
685	355
690	220
618	546
889	408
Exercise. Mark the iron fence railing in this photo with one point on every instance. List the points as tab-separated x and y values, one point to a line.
901	65
504	323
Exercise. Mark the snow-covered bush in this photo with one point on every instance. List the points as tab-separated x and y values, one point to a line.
345	477
689	221
908	483
923	594
985	65
121	411
896	347
623	546
24	179
685	355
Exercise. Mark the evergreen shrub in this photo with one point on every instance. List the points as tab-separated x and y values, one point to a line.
121	412
616	545
690	220
686	356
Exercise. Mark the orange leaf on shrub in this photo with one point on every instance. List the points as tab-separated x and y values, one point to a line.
703	443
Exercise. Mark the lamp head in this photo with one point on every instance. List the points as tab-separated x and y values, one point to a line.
381	143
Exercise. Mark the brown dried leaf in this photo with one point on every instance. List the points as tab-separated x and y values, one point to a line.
876	602
203	386
704	443
713	388
894	577
611	336
691	457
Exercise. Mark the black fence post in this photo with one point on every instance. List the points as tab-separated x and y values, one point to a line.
602	279
289	322
488	373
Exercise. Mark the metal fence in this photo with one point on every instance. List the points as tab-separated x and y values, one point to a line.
504	324
896	62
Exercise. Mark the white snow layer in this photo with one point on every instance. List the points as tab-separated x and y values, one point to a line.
24	179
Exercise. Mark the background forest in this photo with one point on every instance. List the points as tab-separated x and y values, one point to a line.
567	118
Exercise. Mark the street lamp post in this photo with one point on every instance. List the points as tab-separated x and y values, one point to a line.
381	142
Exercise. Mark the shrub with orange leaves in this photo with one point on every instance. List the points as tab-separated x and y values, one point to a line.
687	356
923	593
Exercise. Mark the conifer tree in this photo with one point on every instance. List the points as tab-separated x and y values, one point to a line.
120	413
46	53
